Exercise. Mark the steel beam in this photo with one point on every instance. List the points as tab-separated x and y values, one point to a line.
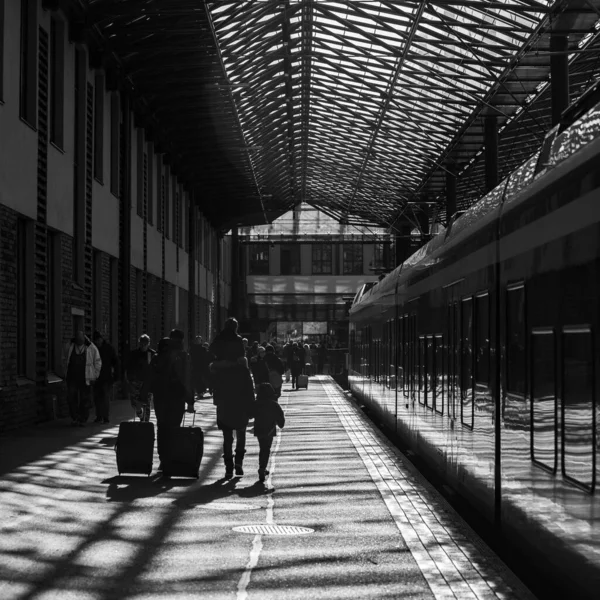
491	152
559	70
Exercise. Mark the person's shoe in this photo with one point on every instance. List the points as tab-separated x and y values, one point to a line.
106	420
80	424
239	469
74	423
262	475
228	473
98	420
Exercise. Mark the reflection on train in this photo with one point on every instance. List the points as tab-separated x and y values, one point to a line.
481	352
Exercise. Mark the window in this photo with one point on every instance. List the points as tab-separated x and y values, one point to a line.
515	340
467	389
57	81
166	207
438	379
141	196
482	341
145	186
115	133
29	31
150	184
25	310
290	259
322	259
187	221
353	259
381	256
578	407
160	194
1	50
543	398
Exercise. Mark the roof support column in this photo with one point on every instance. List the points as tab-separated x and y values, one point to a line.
192	268
450	193
559	73
402	250
234	307
491	152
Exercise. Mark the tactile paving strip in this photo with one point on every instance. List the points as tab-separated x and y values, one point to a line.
274	529
453	560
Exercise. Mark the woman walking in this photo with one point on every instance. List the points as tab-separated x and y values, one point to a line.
233	394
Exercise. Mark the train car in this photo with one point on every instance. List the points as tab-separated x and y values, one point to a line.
481	353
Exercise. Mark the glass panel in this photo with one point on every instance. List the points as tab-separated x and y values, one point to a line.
543	398
440	369
515	340
353	259
421	369
467	363
482	331
578	407
430	375
259	259
290	259
321	259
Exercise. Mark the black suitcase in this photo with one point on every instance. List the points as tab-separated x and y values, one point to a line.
184	451
135	447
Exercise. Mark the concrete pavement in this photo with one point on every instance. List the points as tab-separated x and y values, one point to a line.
72	528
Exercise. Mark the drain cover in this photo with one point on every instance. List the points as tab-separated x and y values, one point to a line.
229	506
274	529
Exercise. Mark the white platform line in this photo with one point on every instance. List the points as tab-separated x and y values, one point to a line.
257	544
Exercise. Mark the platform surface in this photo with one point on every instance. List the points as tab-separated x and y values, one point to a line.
343	515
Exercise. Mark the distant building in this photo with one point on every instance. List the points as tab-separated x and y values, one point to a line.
301	273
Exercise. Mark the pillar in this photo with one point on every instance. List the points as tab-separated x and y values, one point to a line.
491	152
559	72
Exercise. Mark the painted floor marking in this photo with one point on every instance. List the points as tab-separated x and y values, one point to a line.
257	545
450	569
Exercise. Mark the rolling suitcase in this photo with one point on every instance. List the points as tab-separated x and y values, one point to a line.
135	447
185	449
302	382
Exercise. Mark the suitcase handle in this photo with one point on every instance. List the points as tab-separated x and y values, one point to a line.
193	421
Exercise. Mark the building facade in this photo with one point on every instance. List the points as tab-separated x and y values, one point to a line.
94	221
301	273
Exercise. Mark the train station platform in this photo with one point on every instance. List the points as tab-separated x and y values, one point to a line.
342	515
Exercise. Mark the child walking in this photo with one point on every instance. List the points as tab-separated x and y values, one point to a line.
267	415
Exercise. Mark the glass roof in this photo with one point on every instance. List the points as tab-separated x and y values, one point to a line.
350	104
359	108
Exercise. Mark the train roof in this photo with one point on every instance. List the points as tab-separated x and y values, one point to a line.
558	147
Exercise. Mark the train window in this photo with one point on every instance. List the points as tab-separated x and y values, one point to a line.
466	383
578	407
515	340
543	398
482	334
393	354
414	350
400	353
421	357
430	376
438	386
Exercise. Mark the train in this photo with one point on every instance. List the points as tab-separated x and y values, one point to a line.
480	352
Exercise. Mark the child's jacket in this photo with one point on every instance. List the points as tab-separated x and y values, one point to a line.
267	415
